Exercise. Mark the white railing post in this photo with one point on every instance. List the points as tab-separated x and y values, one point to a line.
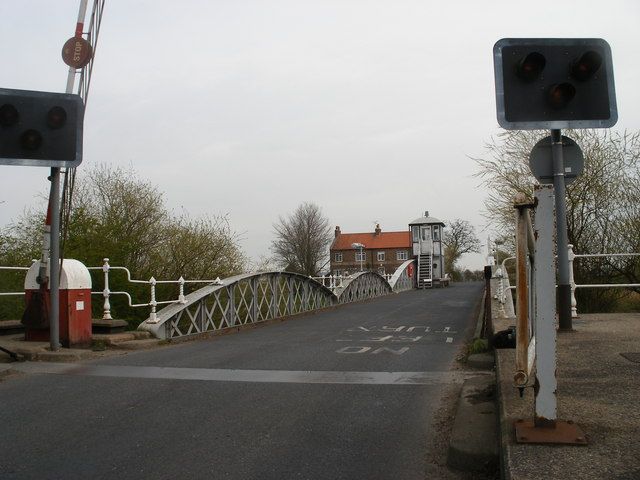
181	298
106	315
152	316
572	282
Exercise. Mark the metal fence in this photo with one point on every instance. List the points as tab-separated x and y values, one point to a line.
503	294
13	269
240	300
152	282
243	299
253	298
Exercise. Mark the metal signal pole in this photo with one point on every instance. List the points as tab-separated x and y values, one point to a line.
564	285
54	217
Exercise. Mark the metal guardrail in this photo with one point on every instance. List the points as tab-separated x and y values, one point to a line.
24	269
253	298
257	297
152	282
340	289
504	288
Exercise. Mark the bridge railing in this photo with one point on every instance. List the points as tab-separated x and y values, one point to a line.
14	269
503	295
573	256
152	283
257	297
403	279
362	286
241	301
331	281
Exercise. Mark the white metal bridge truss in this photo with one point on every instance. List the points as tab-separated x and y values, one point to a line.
253	298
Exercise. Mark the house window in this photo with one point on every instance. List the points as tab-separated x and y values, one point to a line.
337	273
360	256
402	255
381	256
337	256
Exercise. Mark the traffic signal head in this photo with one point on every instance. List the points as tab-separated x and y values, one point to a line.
40	128
554	83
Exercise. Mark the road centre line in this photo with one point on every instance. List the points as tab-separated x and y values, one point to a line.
253	376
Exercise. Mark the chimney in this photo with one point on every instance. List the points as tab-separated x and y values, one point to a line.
378	229
337	232
426	213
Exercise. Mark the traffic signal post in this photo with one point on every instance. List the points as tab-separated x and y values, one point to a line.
555	83
564	284
44	129
552	84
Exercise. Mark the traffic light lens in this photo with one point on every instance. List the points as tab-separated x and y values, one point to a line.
8	115
31	140
561	94
587	65
531	66
56	117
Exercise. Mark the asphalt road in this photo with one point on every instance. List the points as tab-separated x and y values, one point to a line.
347	393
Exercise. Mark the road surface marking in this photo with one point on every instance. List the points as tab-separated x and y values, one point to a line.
252	376
391	350
352	349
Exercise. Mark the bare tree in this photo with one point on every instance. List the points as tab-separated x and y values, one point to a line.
459	238
123	217
302	240
603	204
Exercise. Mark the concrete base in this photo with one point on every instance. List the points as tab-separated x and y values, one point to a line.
483	361
11	327
108	326
474	438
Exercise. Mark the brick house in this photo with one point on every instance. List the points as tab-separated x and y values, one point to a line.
383	251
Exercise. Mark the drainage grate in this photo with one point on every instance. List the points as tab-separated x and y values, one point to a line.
632	356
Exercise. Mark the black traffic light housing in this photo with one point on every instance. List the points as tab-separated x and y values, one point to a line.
554	83
40	128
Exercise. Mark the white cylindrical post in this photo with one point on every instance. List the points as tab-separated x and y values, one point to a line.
106	315
152	316
181	294
572	282
545	326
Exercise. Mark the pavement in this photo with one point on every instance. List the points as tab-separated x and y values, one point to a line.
102	345
598	365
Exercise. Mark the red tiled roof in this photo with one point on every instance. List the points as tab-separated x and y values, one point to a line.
372	241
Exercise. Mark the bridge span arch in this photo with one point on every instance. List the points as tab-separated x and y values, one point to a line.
257	297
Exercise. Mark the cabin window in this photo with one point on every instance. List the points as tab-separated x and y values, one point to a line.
415	233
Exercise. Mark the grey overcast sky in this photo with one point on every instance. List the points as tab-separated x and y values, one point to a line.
370	109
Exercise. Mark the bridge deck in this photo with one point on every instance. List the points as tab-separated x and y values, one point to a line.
344	393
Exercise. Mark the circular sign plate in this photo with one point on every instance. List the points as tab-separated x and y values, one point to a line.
76	52
541	160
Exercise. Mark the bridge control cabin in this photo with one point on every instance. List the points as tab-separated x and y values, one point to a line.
426	247
384	252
